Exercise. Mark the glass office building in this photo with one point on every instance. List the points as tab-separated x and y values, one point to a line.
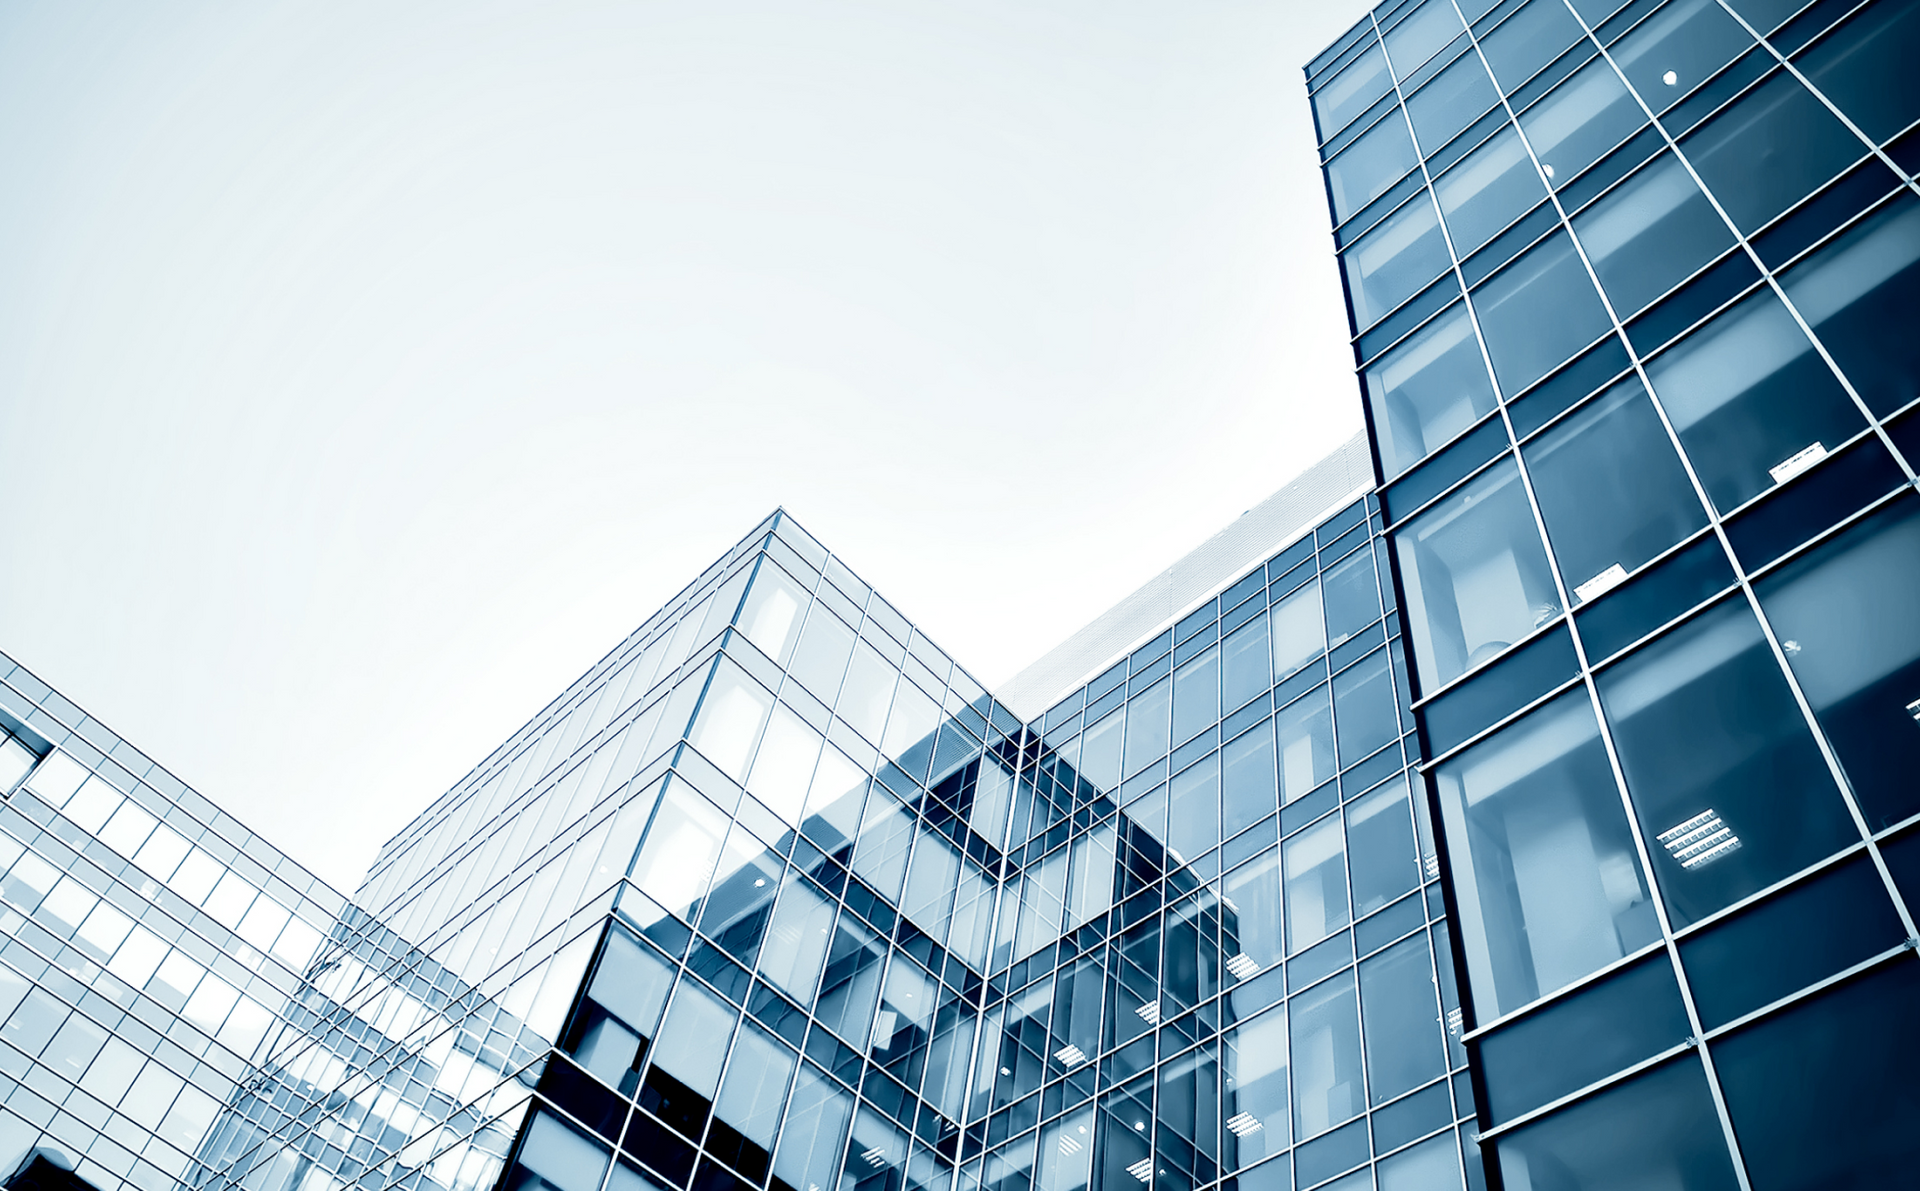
1524	798
1634	289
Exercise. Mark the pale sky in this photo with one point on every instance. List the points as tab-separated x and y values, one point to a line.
369	370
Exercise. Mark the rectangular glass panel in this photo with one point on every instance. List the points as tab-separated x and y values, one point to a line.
1394	261
1475	575
1401	1018
1746	392
1328	1087
1861	295
1351	92
1649	233
1772	148
1668	1113
1548	883
1455	98
1580	121
1675	50
1537	312
1426	390
1363	170
1611	489
1316	873
1490	188
1731	793
1305	731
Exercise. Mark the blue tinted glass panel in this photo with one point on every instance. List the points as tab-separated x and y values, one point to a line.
1529	39
1845	1117
1364	170
1580	121
1845	617
1538	312
1475	575
1746	392
1611	489
1769	150
1490	188
1395	260
1420	35
1731	792
1427	390
1351	92
1668	1113
1401	1019
1455	98
1675	50
1549	886
1649	233
1866	67
1861	295
1363	708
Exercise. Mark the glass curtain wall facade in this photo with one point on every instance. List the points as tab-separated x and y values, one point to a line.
1633	291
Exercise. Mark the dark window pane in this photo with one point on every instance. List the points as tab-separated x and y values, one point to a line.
1823	1095
1590	1034
1794	939
1746	392
1651	600
1656	1130
1401	1019
1549	887
1352	595
1364	170
1649	233
1585	117
1420	35
1475	575
1427	390
1537	312
557	1155
1363	713
1731	792
1770	150
1866	67
1249	793
1861	295
1326	1047
1380	847
1491	188
1766	15
1611	489
1846	618
1394	261
1529	39
1674	51
1351	92
1456	97
1247	665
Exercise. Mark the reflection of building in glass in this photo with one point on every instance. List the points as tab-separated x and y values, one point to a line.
1648	489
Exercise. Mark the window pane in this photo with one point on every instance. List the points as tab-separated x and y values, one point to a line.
1649	233
1352	595
1316	872
809	1154
1611	489
1250	921
1580	121
1147	727
1845	1116
1250	794
1537	312
1845	617
1677	48
1427	390
1475	575
1768	151
1394	261
1668	1114
1404	1046
1731	792
1327	1085
1745	393
1529	39
1365	169
1545	873
754	1091
557	1155
1433	1165
1246	663
1363	713
1305	730
1861	295
1194	794
821	656
1299	630
1866	67
1455	98
1490	188
1420	36
1196	695
1255	1089
1351	92
1380	848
